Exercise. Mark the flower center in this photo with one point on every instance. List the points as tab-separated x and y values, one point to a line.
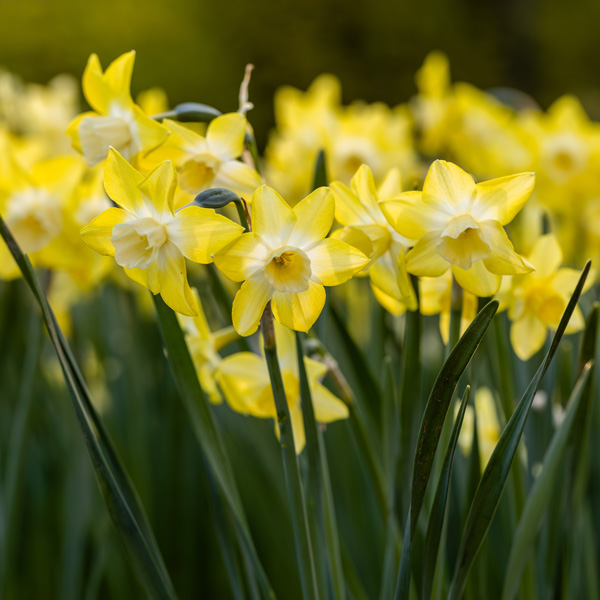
461	242
98	134
198	173
289	270
138	242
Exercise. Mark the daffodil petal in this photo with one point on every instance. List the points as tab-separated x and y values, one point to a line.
546	256
391	185
98	233
95	90
411	217
327	407
158	188
448	188
423	259
348	208
272	217
139	276
185	138
355	236
200	232
363	186
246	255
477	280
299	310
391	304
172	275
121	182
314	218
118	77
225	135
527	336
502	198
333	262
249	303
150	133
384	275
504	260
238	177
297	421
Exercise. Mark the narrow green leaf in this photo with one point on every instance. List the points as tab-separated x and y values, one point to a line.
121	498
493	480
438	510
541	491
320	174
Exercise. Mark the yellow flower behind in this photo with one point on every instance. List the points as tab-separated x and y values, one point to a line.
244	381
459	225
536	301
117	121
148	238
366	228
286	259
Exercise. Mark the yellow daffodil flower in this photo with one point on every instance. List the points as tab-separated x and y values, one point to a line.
366	228
210	161
204	346
286	259
148	238
118	122
244	380
536	301
459	225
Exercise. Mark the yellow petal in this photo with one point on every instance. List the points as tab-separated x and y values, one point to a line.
348	208
225	135
272	218
98	233
391	304
527	336
298	427
333	262
503	260
121	182
73	129
423	259
546	256
249	303
200	232
172	277
477	280
185	138
364	188
391	185
101	89
299	310
150	133
411	217
448	188
118	76
384	275
158	189
355	236
139	276
246	255
314	218
327	407
238	177
502	198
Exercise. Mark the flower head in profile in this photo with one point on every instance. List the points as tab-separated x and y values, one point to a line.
287	260
244	381
148	238
366	228
536	301
459	225
117	121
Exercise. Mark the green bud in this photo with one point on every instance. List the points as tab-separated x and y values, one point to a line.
215	198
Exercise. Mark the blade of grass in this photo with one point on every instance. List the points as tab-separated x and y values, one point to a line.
494	478
438	510
121	497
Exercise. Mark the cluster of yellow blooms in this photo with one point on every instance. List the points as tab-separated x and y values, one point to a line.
128	192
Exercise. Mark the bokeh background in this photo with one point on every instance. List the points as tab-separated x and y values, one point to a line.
197	50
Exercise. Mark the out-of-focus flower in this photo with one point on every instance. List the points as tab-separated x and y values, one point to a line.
459	225
204	346
488	426
118	122
536	301
286	259
210	161
244	380
366	228
148	238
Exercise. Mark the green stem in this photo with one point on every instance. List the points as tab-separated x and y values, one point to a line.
456	302
291	469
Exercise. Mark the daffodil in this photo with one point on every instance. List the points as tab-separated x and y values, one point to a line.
148	238
210	161
459	225
536	301
286	259
204	346
244	380
366	228
117	121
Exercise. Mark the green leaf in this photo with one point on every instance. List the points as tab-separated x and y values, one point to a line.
320	173
541	491
493	480
438	510
119	494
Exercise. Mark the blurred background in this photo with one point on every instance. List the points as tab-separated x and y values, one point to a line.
197	51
